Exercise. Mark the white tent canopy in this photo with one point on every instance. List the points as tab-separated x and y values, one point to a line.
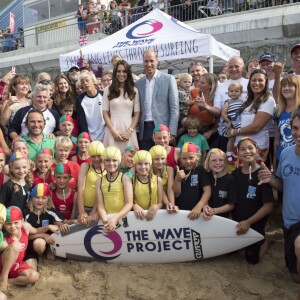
170	38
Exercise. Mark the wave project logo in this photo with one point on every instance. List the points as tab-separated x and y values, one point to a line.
114	237
133	33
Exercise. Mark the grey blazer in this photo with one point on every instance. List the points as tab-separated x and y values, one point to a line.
165	105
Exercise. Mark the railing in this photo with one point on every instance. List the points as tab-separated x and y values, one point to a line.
66	29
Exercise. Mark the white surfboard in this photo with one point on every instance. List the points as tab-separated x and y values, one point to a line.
167	238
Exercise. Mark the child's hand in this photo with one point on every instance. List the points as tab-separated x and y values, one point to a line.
94	217
65	228
242	227
194	213
172	208
151	212
180	175
138	211
110	225
53	228
208	212
228	125
48	239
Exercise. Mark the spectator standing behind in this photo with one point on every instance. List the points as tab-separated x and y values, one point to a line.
9	42
235	67
257	113
288	103
230	113
203	107
40	99
62	90
295	55
196	69
89	108
222	77
121	108
106	79
158	96
18	91
251	66
81	16
184	97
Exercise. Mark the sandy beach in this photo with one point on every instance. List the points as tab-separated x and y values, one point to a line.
224	277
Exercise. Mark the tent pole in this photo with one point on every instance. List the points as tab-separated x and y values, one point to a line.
166	6
211	64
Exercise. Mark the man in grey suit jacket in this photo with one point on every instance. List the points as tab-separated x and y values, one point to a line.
159	100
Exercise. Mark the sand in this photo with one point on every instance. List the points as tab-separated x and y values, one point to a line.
224	277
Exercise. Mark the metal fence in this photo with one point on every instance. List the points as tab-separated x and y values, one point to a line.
111	21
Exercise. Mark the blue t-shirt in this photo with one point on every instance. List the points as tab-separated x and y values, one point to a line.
289	171
285	134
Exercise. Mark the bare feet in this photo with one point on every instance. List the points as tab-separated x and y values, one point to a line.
3	286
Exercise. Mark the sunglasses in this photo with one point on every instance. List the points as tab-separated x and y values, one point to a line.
222	77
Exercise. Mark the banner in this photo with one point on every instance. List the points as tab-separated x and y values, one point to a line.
12	22
50	25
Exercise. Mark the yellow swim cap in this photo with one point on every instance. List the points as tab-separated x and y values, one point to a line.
158	150
3	212
95	148
112	152
142	155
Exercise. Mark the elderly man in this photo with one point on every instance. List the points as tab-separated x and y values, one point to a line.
235	69
158	96
37	140
89	108
40	98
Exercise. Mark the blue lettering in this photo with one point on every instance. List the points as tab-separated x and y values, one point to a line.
159	234
186	233
175	245
130	246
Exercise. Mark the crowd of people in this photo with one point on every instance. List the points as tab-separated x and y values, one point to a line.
10	41
78	148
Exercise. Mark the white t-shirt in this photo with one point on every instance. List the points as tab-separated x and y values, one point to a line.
247	118
92	107
222	95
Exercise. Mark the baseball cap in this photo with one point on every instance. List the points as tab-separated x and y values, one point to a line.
267	56
13	213
74	67
294	48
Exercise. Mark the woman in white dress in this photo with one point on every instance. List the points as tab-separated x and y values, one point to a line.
121	108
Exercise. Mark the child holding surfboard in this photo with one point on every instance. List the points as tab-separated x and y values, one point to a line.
162	136
113	190
191	185
223	186
88	175
254	202
166	173
147	187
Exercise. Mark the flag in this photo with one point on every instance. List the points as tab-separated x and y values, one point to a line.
12	22
83	40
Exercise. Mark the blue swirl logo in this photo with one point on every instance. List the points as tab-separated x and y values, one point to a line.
154	24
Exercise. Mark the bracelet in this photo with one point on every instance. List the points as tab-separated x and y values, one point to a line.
239	131
232	132
131	129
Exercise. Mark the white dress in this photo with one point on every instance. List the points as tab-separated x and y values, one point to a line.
121	111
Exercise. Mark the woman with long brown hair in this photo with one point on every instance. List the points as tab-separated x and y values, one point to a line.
121	108
62	90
